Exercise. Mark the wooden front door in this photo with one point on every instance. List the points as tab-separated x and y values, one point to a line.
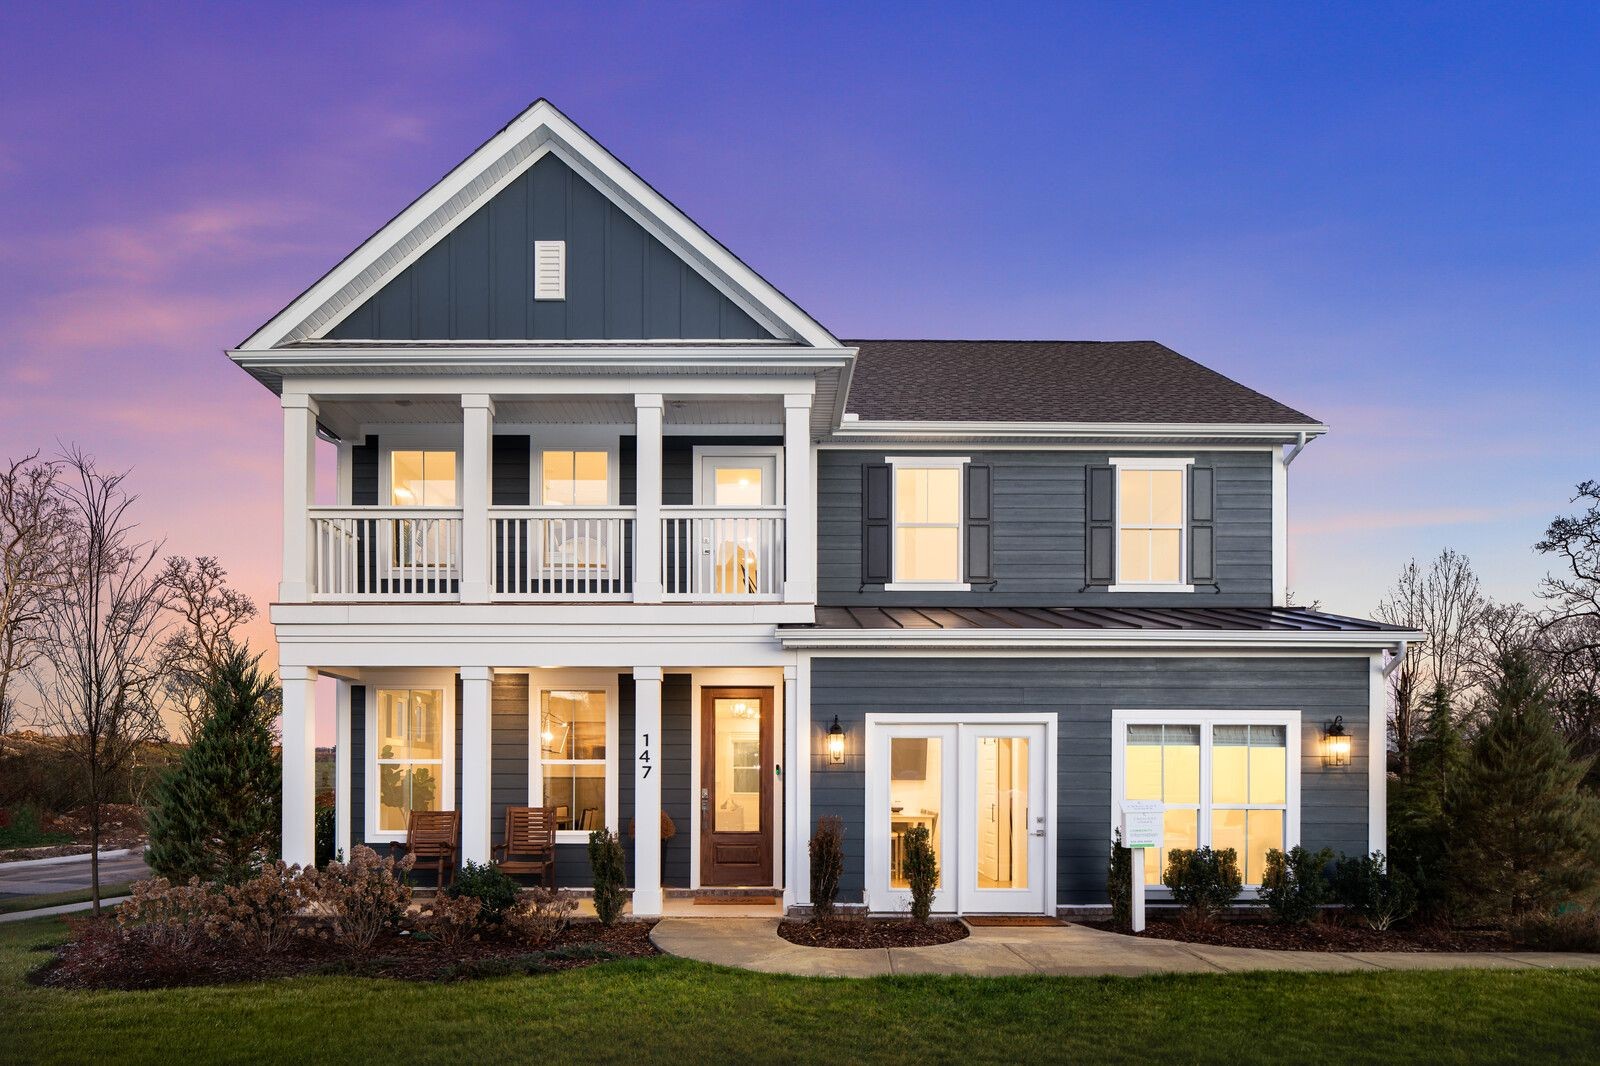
736	768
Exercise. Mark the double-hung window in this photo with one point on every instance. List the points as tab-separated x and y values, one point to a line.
927	522
1226	779
409	755
576	478
1151	512
575	737
423	479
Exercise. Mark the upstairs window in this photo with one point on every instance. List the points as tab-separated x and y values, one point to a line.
927	521
576	479
422	479
1150	521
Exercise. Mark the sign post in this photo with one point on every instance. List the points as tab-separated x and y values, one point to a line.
1141	829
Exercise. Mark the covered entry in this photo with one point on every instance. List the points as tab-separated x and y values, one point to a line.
984	789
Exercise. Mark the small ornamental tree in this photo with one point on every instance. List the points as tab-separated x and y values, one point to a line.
1526	835
609	865
1119	883
216	816
827	864
921	867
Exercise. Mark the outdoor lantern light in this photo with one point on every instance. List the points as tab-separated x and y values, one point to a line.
1336	743
836	742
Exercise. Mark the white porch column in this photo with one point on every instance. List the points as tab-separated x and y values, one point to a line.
299	485
1280	529
801	767
343	802
477	448
475	686
299	763
800	527
647	576
795	836
647	789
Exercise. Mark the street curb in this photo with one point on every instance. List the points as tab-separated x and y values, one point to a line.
64	908
59	860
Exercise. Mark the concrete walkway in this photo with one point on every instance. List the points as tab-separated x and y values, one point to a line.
69	874
1072	951
64	908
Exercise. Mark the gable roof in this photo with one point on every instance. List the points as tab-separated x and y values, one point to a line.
539	130
1140	382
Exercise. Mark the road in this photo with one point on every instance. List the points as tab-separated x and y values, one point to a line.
67	876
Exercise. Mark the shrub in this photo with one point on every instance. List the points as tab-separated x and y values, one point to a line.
541	916
326	827
1293	886
494	889
1573	930
452	920
26	831
168	917
827	864
363	897
921	868
609	866
260	913
1367	885
1119	883
216	817
1204	882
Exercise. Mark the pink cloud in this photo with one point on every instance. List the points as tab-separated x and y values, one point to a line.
1348	521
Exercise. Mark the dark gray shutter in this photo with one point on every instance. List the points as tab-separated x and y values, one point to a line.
511	476
877	499
1202	526
364	473
1100	537
979	532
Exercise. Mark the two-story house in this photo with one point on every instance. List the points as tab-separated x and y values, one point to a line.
618	529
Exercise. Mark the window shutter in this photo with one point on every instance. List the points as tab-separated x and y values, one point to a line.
1100	536
877	533
979	531
549	270
511	477
1202	526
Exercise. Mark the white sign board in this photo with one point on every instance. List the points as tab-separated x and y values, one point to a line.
1141	823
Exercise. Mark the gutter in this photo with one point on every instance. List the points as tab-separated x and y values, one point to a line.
998	639
1297	449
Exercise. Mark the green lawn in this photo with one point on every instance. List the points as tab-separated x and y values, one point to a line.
687	1013
56	899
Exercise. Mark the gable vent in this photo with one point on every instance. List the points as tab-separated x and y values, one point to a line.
549	270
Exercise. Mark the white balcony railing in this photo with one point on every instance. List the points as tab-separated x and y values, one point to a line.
722	553
383	553
562	553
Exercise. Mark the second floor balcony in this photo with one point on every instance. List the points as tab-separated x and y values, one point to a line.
471	510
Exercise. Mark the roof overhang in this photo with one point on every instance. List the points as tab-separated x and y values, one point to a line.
1044	640
1165	432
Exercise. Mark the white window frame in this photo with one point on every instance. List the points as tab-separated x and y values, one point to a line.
1290	720
536	465
386	488
702	494
447	802
569	681
928	462
1144	462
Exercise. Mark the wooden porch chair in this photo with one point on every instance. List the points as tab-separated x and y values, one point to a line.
433	837
530	844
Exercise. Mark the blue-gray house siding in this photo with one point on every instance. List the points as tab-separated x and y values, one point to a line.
1082	693
1038	531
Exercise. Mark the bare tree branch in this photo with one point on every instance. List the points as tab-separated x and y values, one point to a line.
1576	539
33	526
210	612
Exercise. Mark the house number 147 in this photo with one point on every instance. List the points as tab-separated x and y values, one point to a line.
644	757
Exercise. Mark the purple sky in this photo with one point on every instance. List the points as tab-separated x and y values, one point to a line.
1387	220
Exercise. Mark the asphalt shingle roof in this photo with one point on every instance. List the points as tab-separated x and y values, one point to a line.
1049	381
1221	619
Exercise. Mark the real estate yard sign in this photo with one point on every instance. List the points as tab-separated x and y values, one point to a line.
1141	828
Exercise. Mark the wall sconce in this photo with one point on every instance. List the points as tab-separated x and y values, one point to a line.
1336	743
836	742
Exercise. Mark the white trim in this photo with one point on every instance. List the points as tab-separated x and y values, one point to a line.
1284	432
1280	528
700	679
928	462
807	736
1377	756
1158	463
928	586
551	257
1206	719
730	451
1149	586
540	128
1152	462
342	831
564	439
573	680
427	680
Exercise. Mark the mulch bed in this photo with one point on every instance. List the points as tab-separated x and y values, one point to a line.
95	959
1331	934
858	932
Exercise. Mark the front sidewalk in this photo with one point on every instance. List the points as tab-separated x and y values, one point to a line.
1069	951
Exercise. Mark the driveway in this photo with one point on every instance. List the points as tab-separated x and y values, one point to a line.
19	880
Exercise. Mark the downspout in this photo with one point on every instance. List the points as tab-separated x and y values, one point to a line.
1297	449
1399	657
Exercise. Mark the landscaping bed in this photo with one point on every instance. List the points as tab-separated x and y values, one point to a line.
1328	935
862	932
97	957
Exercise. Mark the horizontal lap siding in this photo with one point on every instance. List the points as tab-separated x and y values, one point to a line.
508	752
1039	531
1082	694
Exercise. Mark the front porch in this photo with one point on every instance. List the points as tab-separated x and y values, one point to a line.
699	749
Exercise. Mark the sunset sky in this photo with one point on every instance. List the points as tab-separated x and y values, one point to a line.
1387	220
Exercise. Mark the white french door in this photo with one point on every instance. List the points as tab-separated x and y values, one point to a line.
984	791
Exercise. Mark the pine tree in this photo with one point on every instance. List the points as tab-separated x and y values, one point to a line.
1420	801
216	816
1526	836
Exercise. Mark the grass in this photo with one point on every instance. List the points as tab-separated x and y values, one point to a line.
25	831
668	1009
56	899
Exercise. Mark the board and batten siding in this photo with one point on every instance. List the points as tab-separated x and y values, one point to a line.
476	283
1082	693
1038	530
